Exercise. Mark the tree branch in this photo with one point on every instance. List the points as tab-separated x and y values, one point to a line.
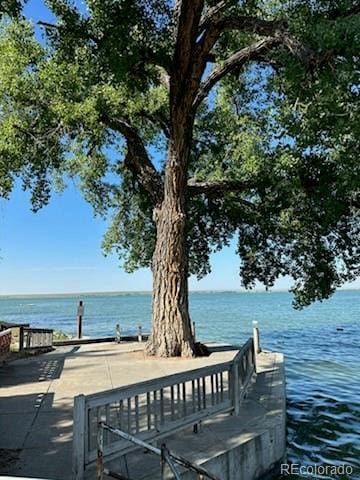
47	25
213	187
296	48
249	24
211	14
181	87
158	119
218	188
137	159
214	26
189	14
237	60
336	13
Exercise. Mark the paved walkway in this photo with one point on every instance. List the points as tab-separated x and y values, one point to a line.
36	399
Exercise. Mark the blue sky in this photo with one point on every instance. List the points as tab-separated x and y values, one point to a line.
58	250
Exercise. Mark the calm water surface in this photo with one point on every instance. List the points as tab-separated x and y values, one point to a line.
322	362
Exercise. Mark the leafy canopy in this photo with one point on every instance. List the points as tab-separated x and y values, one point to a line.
286	126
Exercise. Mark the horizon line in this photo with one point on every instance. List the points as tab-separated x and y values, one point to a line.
147	292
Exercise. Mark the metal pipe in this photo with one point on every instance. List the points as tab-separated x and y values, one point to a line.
131	438
171	465
162	462
112	474
180	460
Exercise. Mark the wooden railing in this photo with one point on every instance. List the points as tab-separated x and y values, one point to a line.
35	337
155	408
5	342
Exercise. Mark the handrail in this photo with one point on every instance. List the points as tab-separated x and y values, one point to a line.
5	342
39	330
30	337
5	332
155	408
166	459
242	351
96	399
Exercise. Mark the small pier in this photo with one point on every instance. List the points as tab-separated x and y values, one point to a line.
36	413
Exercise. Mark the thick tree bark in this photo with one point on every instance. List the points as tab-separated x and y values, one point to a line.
171	327
171	333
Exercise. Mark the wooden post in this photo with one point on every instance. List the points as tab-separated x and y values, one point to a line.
28	338
79	438
235	387
100	454
21	339
256	340
117	333
256	336
80	314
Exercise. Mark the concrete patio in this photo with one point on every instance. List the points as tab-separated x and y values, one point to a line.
36	399
36	406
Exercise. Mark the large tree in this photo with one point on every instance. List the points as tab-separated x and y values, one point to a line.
189	123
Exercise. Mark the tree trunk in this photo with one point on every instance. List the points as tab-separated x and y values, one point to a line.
171	327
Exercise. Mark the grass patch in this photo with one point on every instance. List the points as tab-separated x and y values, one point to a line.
59	335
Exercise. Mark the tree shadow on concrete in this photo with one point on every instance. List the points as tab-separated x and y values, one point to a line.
35	437
41	368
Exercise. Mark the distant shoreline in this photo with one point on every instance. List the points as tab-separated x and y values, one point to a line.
121	293
134	292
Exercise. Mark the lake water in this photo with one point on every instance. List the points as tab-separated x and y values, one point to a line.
322	362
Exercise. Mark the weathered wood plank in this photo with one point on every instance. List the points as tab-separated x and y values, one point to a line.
150	385
129	415
204	391
121	413
137	415
217	387
162	407
221	387
236	388
184	398
178	401
193	396
148	410
79	438
198	393
155	410
212	390
172	402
